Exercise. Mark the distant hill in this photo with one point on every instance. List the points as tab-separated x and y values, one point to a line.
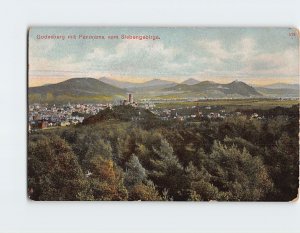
190	81
117	83
212	89
157	82
152	85
276	92
282	86
74	89
241	88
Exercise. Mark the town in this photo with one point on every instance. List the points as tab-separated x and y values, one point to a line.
44	116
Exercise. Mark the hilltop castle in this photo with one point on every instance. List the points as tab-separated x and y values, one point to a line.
129	101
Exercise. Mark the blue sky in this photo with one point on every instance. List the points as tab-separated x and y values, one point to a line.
253	55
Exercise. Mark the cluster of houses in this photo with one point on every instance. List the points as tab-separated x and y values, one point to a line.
45	116
190	113
177	114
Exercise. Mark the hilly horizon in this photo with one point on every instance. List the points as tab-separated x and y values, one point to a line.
209	88
190	81
116	83
278	92
106	89
293	86
154	83
75	88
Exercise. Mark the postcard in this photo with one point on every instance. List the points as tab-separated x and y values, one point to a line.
163	114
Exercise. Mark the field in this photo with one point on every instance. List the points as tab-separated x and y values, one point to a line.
233	103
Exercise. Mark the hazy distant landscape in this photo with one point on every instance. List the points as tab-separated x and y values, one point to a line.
104	89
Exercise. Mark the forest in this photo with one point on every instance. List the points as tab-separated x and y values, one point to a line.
122	154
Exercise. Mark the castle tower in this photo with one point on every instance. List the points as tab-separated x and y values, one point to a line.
130	98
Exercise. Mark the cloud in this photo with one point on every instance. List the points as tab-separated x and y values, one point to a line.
283	63
40	48
246	48
133	57
97	53
244	58
44	63
217	51
214	48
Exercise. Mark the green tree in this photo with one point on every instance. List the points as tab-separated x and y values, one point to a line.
144	192
106	180
135	173
167	172
53	171
283	161
238	174
200	184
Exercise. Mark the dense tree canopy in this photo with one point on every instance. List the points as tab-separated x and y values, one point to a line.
236	159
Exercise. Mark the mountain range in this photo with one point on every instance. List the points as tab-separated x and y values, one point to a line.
208	87
105	89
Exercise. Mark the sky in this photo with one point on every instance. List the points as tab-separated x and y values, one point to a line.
254	55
